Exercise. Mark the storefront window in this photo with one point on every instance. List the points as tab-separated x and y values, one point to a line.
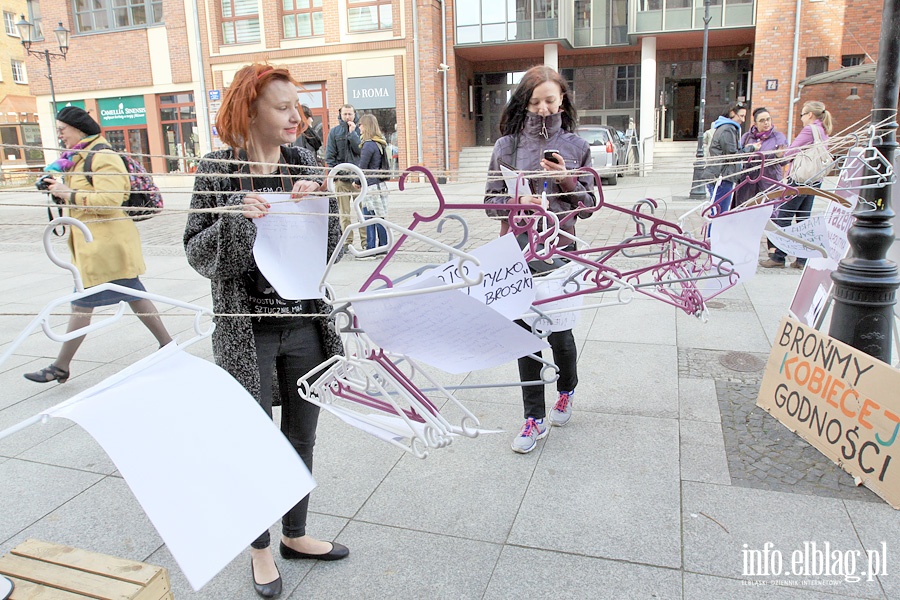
178	117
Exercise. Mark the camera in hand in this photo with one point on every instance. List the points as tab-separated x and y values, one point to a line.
44	182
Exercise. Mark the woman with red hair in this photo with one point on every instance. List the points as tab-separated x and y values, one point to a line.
259	119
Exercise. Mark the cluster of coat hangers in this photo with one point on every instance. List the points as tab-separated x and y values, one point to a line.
203	324
367	386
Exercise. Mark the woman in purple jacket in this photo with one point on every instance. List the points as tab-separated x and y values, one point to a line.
762	137
798	208
539	117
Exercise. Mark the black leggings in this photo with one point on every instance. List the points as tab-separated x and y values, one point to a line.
565	355
295	351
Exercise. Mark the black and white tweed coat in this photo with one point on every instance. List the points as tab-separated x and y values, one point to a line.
219	246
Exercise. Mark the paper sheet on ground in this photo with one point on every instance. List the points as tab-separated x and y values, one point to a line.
507	286
511	178
188	439
811	230
448	329
291	245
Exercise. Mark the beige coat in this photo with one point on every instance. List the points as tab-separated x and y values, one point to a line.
115	252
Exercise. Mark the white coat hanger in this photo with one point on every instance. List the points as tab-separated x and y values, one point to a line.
42	319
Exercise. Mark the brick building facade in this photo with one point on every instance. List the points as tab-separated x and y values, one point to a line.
152	77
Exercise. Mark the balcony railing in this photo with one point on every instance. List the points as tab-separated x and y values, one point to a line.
660	16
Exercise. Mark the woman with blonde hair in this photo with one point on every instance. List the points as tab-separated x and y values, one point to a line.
817	123
372	149
260	337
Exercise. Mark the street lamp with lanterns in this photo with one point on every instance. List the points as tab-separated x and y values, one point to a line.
26	32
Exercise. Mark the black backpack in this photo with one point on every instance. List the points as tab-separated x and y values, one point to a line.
145	200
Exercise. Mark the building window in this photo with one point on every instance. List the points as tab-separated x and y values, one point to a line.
816	65
851	60
626	83
105	15
302	18
34	16
178	117
9	19
369	15
240	22
18	69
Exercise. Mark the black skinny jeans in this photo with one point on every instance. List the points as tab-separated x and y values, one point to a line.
565	355
295	351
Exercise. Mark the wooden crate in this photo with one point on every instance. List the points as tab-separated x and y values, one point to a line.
45	571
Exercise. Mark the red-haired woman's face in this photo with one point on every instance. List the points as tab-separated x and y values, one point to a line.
277	115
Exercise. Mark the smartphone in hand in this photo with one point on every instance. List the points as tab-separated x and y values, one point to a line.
548	155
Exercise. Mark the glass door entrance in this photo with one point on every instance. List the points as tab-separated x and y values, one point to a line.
491	93
132	140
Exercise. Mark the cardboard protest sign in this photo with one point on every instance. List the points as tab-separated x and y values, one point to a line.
840	400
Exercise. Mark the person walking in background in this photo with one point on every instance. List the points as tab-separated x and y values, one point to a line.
723	165
114	255
762	137
343	146
540	116
798	208
309	139
374	148
258	120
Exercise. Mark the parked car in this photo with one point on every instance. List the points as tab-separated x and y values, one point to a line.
608	150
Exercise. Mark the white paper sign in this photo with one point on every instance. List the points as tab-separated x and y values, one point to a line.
291	245
811	230
549	287
735	235
512	179
507	286
192	444
448	329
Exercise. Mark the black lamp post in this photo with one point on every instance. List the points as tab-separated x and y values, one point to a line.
865	284
26	32
698	189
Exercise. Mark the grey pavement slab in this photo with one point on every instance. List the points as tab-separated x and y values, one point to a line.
876	524
697	400
650	389
234	580
559	575
73	448
393	562
722	524
32	490
616	499
349	466
486	494
703	453
734	331
641	321
104	517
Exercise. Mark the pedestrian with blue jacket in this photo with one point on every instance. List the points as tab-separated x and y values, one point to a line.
540	117
723	169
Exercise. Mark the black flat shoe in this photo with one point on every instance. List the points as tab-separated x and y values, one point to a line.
48	374
337	552
266	590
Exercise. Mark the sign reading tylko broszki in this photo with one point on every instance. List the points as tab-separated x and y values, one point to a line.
842	401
